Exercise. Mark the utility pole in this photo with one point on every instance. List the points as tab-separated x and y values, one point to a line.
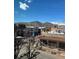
29	50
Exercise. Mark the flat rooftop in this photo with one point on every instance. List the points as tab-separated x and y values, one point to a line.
59	38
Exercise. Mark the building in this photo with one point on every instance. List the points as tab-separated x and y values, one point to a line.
56	29
54	41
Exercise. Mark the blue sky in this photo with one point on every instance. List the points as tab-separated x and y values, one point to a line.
39	10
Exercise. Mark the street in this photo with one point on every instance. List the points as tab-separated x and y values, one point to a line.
44	55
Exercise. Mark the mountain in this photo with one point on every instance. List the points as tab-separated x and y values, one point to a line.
38	24
47	24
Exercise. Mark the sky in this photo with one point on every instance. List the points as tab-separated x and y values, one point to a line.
39	10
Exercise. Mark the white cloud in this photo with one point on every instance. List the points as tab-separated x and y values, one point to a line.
58	23
29	1
23	6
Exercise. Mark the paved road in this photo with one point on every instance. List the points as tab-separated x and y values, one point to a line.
44	55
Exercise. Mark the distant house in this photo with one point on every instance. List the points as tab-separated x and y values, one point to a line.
34	30
56	29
